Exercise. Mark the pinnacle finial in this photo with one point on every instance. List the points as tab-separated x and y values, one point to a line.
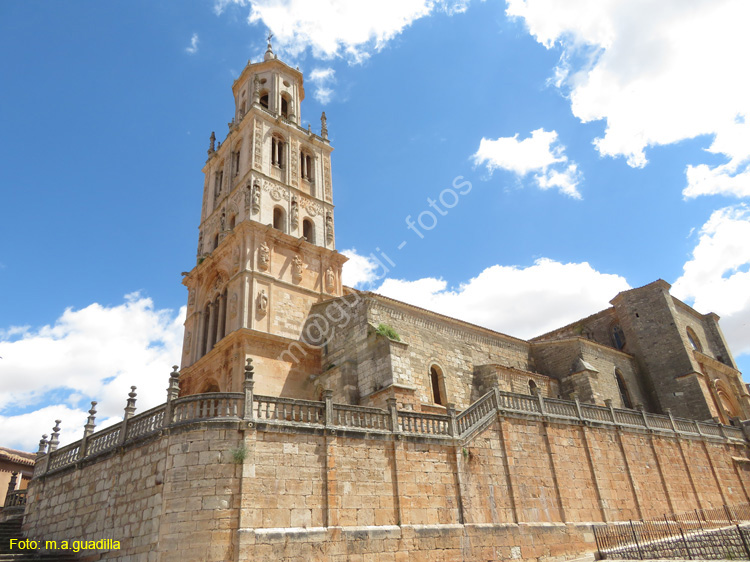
249	371
269	50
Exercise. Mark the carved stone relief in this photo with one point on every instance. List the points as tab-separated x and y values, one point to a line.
295	212
297	267
329	227
295	162
233	306
327	178
236	259
191	297
256	198
264	257
312	207
257	158
330	280
262	302
186	345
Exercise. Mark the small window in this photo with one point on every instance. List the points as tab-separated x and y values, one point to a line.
264	100
284	107
232	222
216	241
624	394
436	381
277	151
532	387
695	343
278	219
618	336
308	231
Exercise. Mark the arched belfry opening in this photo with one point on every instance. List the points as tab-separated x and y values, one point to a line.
438	385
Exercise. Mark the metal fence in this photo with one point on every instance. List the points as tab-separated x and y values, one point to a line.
707	534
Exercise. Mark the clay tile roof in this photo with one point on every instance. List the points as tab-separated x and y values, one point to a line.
20	457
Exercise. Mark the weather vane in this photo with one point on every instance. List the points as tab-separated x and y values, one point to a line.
270	35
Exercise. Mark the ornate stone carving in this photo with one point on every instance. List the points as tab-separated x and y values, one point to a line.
329	227
191	297
313	207
186	345
295	212
258	156
297	267
264	257
295	162
236	259
262	302
248	198
200	243
233	306
212	143
323	125
256	198
327	178
256	89
330	280
223	221
219	283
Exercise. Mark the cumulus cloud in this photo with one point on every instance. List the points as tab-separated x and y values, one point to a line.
717	277
193	48
360	271
540	154
519	301
95	353
322	78
658	73
332	28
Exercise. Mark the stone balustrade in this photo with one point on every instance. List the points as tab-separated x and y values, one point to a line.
264	412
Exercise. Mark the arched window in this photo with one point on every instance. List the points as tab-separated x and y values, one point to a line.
624	394
695	343
532	387
284	107
277	151
308	230
264	99
210	386
278	219
618	336
437	383
216	241
232	222
306	165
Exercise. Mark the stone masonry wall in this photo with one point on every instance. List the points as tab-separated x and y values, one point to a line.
520	488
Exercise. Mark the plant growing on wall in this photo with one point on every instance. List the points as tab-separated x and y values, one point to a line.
387	331
239	454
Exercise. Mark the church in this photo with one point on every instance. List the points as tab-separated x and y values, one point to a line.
312	421
267	286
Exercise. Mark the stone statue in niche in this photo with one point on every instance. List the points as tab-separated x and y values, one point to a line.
295	212
262	302
297	266
264	257
236	258
248	198
256	198
329	227
233	306
330	280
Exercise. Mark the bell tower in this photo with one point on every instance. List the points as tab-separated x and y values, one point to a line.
266	244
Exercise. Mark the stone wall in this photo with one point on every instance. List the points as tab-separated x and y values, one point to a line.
519	486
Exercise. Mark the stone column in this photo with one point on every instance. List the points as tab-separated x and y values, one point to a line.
222	317
88	429
209	327
173	391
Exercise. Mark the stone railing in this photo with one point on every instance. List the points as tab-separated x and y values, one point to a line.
265	412
15	498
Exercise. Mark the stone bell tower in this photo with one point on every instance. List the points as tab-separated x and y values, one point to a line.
266	244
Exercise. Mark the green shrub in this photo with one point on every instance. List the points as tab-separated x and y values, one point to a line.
387	331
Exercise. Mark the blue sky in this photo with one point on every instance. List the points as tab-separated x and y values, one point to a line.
606	145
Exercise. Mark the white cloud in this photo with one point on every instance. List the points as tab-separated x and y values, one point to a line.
322	78
193	48
658	73
717	277
540	154
359	271
332	28
95	353
518	301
